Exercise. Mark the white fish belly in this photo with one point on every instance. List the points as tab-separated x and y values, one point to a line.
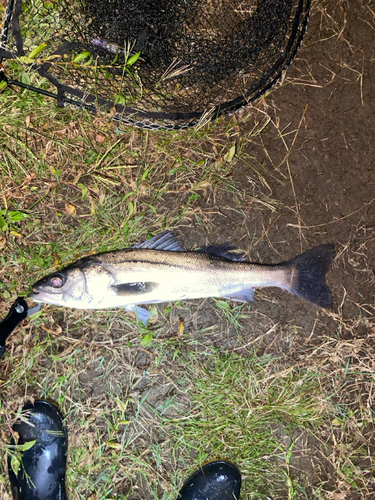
170	284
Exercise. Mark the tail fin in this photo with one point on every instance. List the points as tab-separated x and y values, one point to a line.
311	267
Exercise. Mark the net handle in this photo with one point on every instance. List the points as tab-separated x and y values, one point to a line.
6	25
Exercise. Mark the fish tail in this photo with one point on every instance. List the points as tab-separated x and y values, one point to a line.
309	282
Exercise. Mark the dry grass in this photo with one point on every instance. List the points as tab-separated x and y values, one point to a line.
282	389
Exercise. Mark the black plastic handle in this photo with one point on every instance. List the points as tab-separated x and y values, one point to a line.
17	313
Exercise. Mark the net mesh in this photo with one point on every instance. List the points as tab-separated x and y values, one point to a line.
195	55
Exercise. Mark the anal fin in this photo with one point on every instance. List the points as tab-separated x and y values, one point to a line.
246	295
141	313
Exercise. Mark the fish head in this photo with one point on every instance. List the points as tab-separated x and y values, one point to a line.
63	288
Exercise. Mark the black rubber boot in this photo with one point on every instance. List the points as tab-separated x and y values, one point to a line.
41	475
217	480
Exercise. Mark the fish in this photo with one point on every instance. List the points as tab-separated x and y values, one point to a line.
161	270
115	48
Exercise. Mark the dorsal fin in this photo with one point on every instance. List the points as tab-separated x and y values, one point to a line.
162	241
225	250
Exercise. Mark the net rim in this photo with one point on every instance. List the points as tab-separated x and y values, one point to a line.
154	120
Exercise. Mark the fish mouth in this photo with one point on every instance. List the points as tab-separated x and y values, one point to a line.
44	297
35	295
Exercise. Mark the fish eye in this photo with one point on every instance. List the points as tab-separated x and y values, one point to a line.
56	280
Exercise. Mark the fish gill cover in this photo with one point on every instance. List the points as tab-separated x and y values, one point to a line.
195	55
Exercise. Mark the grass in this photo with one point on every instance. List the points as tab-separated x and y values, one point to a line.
243	411
106	195
290	403
141	419
153	426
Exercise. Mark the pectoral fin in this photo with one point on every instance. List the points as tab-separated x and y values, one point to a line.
246	295
138	288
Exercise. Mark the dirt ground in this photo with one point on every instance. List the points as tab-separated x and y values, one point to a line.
315	161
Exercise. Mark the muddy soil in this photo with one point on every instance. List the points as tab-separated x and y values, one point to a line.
319	164
316	174
315	163
327	193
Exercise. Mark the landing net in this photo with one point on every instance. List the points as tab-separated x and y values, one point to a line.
155	63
